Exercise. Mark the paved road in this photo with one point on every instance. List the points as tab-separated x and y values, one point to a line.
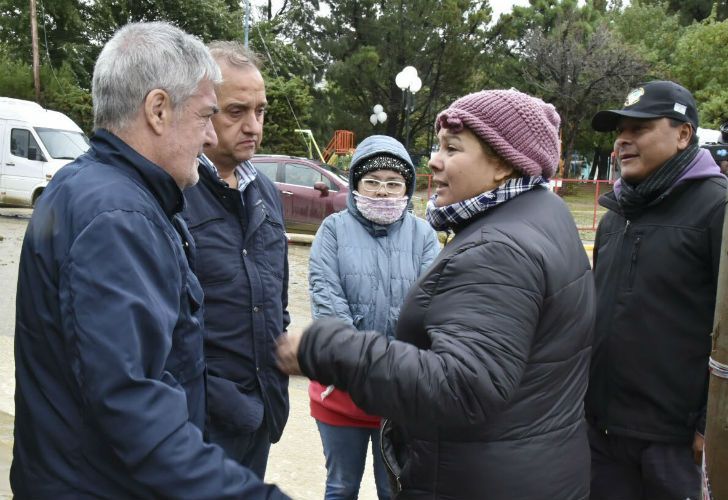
296	463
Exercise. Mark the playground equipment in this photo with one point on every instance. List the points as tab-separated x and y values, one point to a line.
341	143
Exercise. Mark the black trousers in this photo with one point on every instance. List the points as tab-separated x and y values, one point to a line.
625	468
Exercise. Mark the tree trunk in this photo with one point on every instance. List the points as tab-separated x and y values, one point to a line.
716	428
36	56
595	164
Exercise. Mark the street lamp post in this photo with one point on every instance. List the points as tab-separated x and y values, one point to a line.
408	81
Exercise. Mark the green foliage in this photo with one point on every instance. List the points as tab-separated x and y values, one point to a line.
62	33
342	162
361	46
59	90
700	65
16	79
652	31
689	11
207	19
579	55
577	64
289	106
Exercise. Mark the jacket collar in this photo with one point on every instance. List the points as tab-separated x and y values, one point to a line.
253	209
111	150
702	167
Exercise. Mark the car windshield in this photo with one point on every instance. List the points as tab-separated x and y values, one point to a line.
63	144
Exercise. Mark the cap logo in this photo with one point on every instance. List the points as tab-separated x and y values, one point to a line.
634	96
680	108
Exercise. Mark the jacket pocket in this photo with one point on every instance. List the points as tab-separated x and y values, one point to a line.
230	409
217	250
275	245
389	455
186	361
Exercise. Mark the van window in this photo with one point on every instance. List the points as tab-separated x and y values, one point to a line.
22	144
63	144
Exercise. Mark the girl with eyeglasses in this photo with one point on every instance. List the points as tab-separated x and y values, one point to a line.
362	263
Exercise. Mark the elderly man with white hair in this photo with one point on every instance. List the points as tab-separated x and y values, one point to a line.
110	371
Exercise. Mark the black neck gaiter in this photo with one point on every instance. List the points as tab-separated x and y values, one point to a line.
634	198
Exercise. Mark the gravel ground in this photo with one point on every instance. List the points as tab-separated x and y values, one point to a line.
296	463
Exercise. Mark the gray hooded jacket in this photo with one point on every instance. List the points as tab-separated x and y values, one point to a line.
360	271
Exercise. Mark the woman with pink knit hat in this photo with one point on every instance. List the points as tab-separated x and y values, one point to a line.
483	385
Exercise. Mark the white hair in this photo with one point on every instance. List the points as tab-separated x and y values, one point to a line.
234	54
141	57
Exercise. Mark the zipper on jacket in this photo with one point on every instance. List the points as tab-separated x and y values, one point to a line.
391	472
633	260
626	226
386	461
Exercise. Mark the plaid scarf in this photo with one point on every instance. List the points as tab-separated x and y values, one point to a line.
633	198
442	218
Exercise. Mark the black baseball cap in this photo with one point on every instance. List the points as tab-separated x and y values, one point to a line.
655	99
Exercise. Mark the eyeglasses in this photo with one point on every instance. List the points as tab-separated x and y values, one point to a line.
374	185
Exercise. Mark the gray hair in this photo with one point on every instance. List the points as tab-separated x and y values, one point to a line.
234	54
141	57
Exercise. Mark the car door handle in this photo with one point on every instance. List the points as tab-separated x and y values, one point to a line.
10	164
287	193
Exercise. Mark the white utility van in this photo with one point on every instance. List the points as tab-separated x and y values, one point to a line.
34	143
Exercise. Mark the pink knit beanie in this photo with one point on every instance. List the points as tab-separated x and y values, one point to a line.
523	130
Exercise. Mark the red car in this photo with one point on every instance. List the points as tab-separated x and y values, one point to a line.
310	191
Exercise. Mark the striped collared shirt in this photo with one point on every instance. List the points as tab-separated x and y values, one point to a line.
245	173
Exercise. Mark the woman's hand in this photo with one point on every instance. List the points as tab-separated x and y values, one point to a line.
287	353
698	447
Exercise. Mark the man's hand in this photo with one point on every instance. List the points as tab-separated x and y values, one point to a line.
698	445
287	353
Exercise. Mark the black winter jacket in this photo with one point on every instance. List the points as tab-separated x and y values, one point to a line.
656	277
487	374
242	264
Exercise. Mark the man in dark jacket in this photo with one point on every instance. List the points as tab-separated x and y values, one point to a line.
110	390
236	218
656	266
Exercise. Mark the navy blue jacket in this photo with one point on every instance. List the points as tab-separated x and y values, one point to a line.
242	263
110	390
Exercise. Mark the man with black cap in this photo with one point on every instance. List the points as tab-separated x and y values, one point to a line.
655	263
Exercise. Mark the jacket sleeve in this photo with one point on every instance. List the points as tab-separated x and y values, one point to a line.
480	323
120	298
324	281
431	249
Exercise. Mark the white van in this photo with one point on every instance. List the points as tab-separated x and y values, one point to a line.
34	143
